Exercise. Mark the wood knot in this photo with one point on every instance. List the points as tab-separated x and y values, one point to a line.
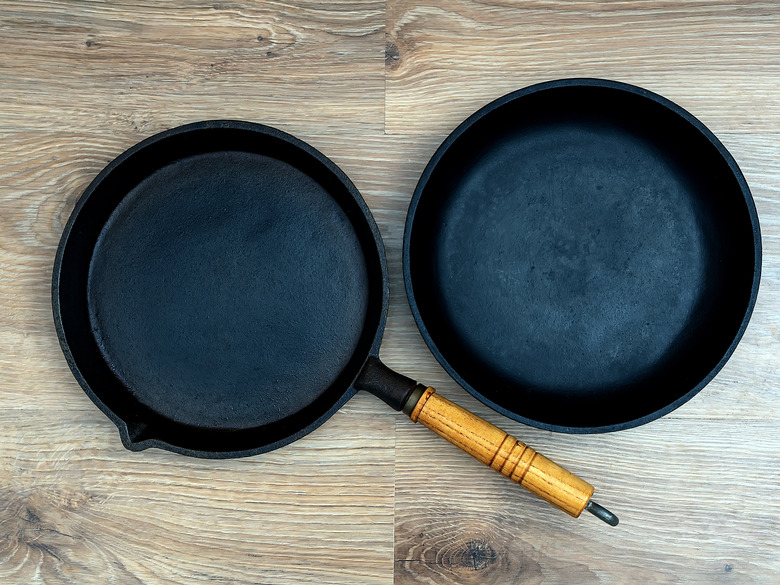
477	555
392	55
49	535
450	546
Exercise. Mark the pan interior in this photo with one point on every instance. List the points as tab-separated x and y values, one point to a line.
229	301
581	259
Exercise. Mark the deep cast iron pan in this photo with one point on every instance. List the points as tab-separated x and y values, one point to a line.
582	255
221	289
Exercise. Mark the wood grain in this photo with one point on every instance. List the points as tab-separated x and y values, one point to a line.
447	58
76	508
142	66
693	519
82	81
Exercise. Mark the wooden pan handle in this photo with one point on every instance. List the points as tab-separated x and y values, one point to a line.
501	451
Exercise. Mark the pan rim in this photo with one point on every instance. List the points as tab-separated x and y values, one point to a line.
551	86
135	444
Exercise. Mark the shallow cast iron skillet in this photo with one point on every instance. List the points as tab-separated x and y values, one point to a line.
582	255
220	289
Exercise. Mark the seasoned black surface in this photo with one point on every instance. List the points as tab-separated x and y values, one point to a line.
227	289
582	257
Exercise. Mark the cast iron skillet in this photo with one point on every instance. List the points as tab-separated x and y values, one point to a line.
582	255
218	290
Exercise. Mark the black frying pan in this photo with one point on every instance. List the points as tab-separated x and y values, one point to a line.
582	255
220	289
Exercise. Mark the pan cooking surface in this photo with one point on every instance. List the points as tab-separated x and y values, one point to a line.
223	280
581	258
584	274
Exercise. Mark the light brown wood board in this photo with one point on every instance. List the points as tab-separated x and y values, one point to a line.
376	86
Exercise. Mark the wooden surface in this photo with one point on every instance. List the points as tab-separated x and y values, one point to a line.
376	86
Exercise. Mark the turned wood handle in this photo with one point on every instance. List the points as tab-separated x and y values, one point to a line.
501	451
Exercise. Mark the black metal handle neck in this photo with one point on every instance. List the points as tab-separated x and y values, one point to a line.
384	383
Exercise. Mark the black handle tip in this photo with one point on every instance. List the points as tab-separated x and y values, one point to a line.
602	513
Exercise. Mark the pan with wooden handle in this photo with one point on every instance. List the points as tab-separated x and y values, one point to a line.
221	289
